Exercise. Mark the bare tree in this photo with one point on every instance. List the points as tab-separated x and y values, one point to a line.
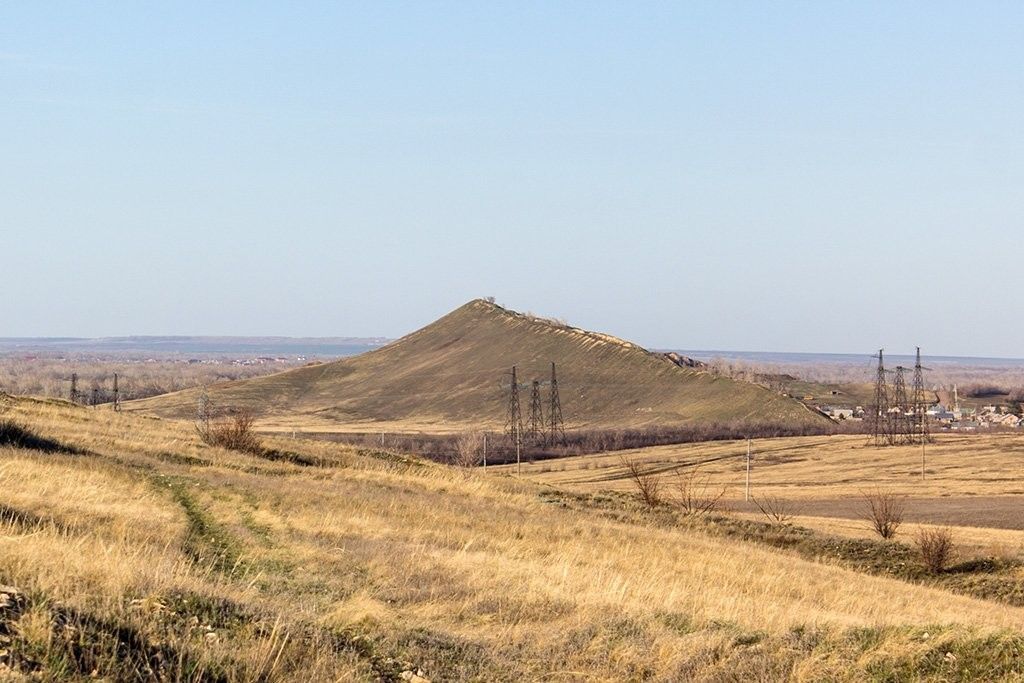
693	493
648	484
778	510
884	511
468	449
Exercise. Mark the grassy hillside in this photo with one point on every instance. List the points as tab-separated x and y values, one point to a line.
449	374
130	551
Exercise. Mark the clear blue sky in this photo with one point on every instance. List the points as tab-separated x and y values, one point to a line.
801	176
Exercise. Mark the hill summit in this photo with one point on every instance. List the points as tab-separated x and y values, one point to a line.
454	373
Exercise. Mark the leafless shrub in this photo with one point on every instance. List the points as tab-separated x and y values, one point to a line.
934	548
234	432
778	510
469	449
884	510
693	493
648	484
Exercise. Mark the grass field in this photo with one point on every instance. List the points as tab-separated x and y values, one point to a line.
972	482
812	467
132	551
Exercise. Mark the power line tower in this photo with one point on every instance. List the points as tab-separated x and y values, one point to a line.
73	394
921	430
880	410
513	416
535	432
556	427
898	414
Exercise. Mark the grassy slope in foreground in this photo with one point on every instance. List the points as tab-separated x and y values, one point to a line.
203	561
448	375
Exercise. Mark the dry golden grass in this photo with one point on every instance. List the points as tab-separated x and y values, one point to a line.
375	564
811	467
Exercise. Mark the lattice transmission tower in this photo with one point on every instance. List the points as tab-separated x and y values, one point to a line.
880	409
535	432
899	411
513	415
556	427
921	431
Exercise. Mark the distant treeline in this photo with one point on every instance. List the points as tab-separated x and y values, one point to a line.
451	448
142	378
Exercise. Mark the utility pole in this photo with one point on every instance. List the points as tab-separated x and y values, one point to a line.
519	460
923	442
557	426
746	495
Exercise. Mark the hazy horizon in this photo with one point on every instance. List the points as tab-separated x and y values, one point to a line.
710	175
359	344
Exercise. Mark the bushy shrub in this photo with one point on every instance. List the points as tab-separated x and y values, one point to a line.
935	548
234	432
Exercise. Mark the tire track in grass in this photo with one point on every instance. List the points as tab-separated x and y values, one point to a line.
206	540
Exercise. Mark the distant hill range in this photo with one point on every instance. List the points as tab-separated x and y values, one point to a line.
454	374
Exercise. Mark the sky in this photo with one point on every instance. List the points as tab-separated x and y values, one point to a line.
783	176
